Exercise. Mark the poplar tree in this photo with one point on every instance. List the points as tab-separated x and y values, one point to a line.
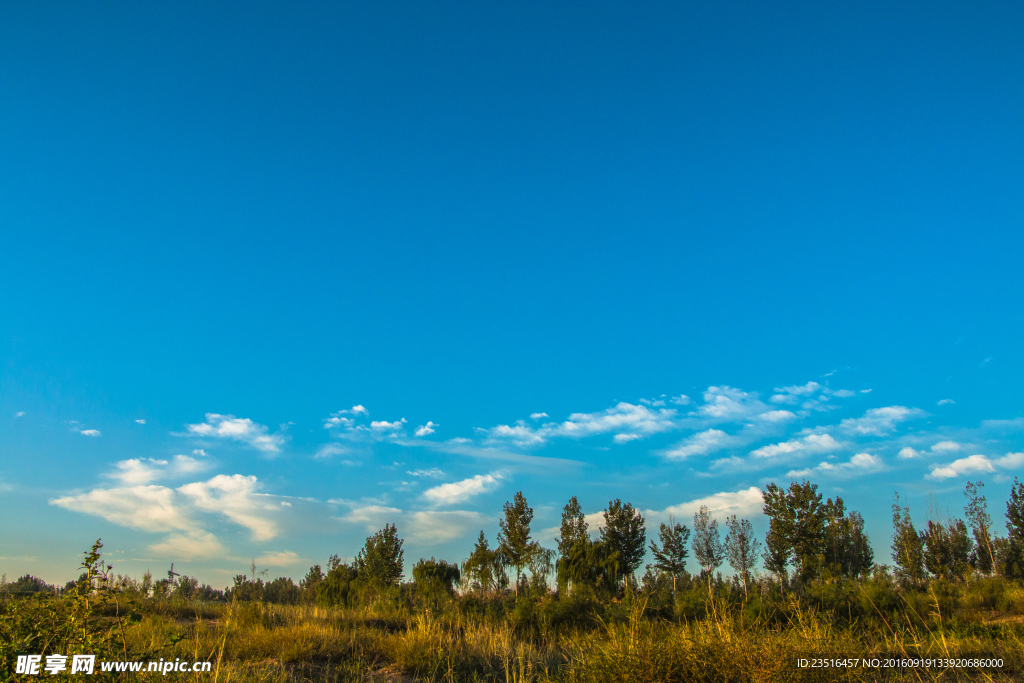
978	518
907	550
514	538
574	527
625	532
671	556
707	544
741	547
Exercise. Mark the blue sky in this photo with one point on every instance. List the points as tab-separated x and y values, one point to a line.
666	253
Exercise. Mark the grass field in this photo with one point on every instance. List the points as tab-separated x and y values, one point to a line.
397	636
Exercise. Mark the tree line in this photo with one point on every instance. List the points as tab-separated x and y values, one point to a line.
808	539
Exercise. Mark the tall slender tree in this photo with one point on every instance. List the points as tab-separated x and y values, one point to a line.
574	526
741	547
907	549
514	539
707	543
981	524
671	556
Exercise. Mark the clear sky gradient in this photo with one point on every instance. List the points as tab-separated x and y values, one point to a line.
666	252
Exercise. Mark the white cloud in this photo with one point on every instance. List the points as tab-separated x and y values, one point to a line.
791	394
199	451
968	465
776	416
20	413
727	404
700	443
681	400
238	429
879	421
537	416
946	402
141	422
424	430
946	447
384	425
149	508
196	544
746	503
811	444
137	471
432	473
861	463
184	465
625	438
976	464
90	432
460	491
519	434
284	558
430	527
624	418
236	497
328	450
371	517
907	453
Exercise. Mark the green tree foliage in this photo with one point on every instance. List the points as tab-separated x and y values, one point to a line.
670	556
707	543
282	591
797	521
777	552
847	550
1010	553
591	566
339	587
485	567
514	538
435	579
381	559
574	526
984	556
625	533
27	585
907	547
742	548
947	548
309	584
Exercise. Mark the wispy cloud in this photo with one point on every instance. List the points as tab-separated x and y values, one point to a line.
946	402
243	430
976	464
237	497
148	508
90	432
624	420
811	444
432	473
861	463
879	421
461	491
537	416
745	503
141	422
427	429
282	558
701	443
196	544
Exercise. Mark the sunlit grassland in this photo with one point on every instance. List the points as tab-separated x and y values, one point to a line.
260	642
